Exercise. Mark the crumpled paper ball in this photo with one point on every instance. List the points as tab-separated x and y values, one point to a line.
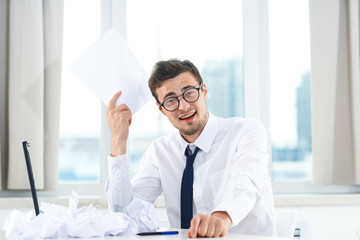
144	215
56	221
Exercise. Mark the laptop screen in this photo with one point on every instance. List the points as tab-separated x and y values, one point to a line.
31	176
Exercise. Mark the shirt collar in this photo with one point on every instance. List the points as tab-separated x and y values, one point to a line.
206	138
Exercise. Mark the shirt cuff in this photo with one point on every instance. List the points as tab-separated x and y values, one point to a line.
237	212
116	163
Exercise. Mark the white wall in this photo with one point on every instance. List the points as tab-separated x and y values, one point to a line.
328	222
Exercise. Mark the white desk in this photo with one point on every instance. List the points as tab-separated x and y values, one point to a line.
181	235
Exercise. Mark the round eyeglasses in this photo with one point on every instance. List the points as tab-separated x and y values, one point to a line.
190	95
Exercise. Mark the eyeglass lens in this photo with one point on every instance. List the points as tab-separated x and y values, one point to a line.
190	95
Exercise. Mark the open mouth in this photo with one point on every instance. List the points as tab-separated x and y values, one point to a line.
188	116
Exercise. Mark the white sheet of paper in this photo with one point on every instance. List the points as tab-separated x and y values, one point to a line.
109	66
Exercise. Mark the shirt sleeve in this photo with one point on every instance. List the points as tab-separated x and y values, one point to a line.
118	187
146	184
248	171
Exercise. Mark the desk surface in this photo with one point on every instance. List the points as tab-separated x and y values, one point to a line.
181	235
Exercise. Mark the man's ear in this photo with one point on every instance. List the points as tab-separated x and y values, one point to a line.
205	92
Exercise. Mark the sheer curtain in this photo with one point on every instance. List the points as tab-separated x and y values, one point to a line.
335	67
34	77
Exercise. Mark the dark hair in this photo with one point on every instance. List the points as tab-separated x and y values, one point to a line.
164	70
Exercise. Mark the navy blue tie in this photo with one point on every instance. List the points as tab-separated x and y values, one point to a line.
187	189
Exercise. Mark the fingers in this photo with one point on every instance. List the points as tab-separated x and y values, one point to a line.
113	100
220	231
122	108
119	120
207	226
204	226
212	226
113	111
120	113
194	225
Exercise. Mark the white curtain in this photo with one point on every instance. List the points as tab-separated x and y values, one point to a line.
334	31
34	61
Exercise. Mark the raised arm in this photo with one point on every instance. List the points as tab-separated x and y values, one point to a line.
118	186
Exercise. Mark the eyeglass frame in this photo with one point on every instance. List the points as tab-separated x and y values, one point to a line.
182	95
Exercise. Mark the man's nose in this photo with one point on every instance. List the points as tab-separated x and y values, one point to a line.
183	104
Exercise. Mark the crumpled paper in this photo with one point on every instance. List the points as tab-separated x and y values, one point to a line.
143	214
56	221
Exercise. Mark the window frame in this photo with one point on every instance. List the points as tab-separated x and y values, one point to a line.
113	15
256	74
257	91
256	98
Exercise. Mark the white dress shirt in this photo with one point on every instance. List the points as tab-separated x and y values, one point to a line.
230	174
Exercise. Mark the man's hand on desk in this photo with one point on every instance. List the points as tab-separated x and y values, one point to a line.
214	225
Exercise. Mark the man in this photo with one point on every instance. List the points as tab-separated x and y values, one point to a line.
229	174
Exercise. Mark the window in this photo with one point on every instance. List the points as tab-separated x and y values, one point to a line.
212	38
80	113
172	29
289	43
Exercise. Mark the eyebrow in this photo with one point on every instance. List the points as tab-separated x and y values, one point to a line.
171	94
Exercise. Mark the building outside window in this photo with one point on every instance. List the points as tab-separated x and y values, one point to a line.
290	111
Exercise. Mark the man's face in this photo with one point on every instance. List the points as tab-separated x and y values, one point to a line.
189	118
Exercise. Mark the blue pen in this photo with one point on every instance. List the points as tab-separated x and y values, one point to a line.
158	233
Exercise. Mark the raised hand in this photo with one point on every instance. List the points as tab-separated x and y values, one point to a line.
119	119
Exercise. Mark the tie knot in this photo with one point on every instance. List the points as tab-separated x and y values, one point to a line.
190	157
191	149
